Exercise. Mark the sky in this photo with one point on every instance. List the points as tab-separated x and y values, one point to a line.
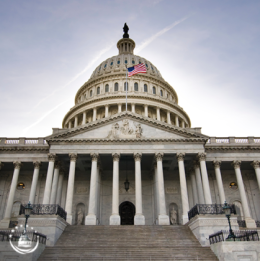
207	50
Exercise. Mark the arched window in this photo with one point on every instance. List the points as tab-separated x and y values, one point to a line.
154	90
105	65
116	87
126	84
125	61
106	88
161	92
133	61
111	63
145	88
90	93
136	86
98	90
118	62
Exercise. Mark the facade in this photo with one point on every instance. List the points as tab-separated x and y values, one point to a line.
150	146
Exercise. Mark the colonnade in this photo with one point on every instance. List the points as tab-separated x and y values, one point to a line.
174	119
198	175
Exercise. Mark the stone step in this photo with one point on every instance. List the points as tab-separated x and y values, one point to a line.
127	243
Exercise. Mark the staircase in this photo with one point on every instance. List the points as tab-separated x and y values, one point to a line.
142	243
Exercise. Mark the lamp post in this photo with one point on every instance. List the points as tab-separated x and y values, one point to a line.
27	212
227	211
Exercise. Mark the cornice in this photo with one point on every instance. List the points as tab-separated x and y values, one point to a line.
129	96
130	115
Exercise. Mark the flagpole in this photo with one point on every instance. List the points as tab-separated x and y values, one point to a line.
126	89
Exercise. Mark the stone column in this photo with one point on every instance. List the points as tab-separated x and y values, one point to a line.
37	165
158	114
221	192
205	179
146	110
194	187
183	185
119	107
91	218
168	117
133	107
10	200
47	190
176	120
199	183
250	223
163	218
76	122
94	114
70	189
255	165
98	193
70	124
115	218
106	110
139	217
84	118
59	190
155	192
183	124
55	182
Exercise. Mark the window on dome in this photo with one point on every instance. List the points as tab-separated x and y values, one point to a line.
90	93
161	92
125	84
99	68
154	90
111	63
146	65
125	61
105	65
133	61
116	87
136	86
152	67
118	62
140	62
106	88
98	90
145	88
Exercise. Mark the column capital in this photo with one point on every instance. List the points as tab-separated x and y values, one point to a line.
180	156
159	156
236	164
216	163
37	164
57	164
17	164
255	164
94	156
116	156
73	156
201	156
196	164
51	156
137	156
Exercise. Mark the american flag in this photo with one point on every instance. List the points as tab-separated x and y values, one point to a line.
139	68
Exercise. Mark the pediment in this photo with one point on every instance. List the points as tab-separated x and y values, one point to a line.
126	126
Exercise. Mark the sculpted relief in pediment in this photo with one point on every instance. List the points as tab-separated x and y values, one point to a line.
125	130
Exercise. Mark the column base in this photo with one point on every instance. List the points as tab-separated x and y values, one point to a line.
69	219
163	220
139	220
250	223
115	220
185	219
90	220
4	223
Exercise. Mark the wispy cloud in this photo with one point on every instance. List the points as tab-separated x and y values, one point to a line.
44	116
90	64
163	31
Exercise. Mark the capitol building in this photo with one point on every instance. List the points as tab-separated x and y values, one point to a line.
143	164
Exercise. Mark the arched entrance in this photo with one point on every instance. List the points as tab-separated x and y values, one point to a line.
127	213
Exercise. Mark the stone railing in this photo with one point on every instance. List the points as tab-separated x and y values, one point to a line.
233	141
22	141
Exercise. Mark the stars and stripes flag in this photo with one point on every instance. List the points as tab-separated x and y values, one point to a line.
139	68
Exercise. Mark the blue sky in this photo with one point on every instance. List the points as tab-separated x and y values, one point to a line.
48	49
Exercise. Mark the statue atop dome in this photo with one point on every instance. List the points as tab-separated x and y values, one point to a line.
126	29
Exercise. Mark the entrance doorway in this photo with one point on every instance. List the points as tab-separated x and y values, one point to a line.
127	213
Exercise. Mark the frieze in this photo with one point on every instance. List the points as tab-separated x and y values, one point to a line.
82	190
171	190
